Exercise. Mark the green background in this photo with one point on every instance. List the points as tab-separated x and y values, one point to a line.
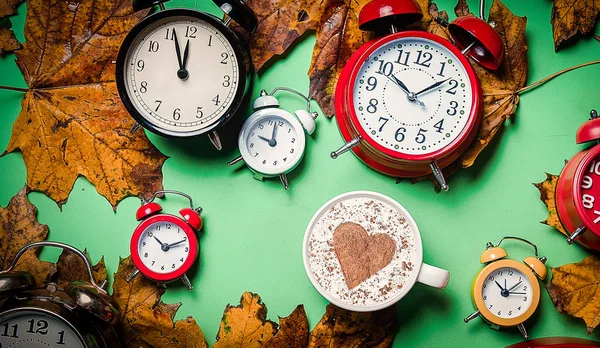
252	239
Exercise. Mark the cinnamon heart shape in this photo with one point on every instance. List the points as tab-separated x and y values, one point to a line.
361	255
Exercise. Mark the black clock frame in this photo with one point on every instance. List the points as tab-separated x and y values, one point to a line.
93	332
239	46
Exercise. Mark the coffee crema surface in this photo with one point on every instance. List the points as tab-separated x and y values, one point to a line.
376	217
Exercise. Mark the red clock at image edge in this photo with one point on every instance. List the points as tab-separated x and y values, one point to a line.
400	164
577	197
170	276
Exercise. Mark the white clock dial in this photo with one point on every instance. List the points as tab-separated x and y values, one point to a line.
399	103
272	142
173	103
163	247
507	293
36	329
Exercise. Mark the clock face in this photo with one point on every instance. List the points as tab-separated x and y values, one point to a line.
36	329
590	192
507	293
181	74
272	141
164	247
413	96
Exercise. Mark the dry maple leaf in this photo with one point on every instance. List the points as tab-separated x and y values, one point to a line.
245	325
293	331
342	328
72	122
500	88
9	7
575	290
145	320
338	36
547	190
8	41
19	227
70	268
572	16
462	8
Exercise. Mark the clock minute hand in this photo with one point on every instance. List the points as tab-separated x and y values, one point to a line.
176	243
435	85
514	286
182	73
186	52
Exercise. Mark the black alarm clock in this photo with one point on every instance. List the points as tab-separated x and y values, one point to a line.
31	316
183	73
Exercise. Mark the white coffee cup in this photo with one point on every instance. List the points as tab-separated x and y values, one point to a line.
393	281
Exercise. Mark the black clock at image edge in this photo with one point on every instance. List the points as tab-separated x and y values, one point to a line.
239	47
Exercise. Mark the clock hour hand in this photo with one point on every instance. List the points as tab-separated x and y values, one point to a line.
412	97
432	87
158	240
500	286
182	73
272	142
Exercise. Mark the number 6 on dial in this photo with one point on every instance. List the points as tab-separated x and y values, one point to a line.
409	103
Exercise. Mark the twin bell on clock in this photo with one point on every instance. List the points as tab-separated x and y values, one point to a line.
184	73
409	103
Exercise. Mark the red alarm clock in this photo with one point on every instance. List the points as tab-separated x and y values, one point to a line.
409	103
578	188
164	246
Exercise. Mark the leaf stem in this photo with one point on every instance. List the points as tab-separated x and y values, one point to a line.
24	90
546	79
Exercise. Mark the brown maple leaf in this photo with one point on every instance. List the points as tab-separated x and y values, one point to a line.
8	41
9	7
462	8
342	328
293	331
338	36
19	227
570	17
72	122
245	325
500	88
575	290
547	190
70	268
145	320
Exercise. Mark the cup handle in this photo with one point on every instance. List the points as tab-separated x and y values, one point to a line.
433	276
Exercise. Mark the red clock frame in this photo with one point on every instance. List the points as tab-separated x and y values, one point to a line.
385	160
164	277
568	195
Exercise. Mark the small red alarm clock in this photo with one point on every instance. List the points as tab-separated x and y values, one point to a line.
409	103
578	187
164	246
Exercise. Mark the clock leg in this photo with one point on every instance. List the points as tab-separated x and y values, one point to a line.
439	176
284	181
235	160
132	275
471	317
578	232
134	128
215	140
347	147
187	282
523	331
